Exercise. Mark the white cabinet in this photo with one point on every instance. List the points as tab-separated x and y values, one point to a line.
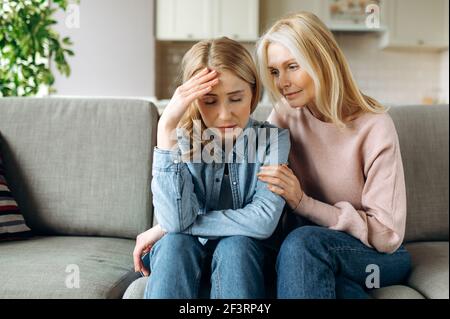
236	19
338	15
185	20
416	24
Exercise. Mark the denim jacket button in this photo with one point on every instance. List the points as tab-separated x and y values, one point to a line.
176	161
234	183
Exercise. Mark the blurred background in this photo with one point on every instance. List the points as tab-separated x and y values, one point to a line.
397	49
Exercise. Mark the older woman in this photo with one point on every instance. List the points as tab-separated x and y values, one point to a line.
346	173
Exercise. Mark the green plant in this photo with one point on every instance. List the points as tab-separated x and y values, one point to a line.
28	44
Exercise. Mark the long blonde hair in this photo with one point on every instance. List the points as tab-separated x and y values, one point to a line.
222	54
315	49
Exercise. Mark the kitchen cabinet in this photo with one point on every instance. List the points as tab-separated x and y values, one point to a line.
353	15
338	15
236	19
181	20
416	24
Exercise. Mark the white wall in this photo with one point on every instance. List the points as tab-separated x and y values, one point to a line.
114	49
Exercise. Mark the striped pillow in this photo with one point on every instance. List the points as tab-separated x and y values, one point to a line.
12	224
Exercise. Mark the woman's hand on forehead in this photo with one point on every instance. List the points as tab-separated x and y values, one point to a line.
197	86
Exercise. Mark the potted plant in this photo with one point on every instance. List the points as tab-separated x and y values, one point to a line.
28	43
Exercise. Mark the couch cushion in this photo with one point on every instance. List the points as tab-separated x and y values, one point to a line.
44	267
396	292
12	224
424	141
430	265
136	289
80	166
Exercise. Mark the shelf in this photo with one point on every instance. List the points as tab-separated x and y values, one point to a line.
356	28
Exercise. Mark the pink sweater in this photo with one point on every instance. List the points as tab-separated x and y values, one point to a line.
353	179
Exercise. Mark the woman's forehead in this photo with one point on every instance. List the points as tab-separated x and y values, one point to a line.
229	83
277	54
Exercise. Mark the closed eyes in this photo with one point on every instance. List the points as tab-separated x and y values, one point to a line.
211	102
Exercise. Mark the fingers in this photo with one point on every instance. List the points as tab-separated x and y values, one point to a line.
200	87
280	178
137	258
197	94
275	181
138	265
278	171
138	251
145	272
281	167
199	79
277	190
199	74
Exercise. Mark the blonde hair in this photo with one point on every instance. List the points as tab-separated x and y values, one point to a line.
317	52
222	54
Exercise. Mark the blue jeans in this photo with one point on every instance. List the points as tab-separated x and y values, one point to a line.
178	261
317	262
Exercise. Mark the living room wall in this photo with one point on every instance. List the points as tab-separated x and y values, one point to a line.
114	49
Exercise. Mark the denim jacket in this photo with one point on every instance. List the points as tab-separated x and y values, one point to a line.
185	192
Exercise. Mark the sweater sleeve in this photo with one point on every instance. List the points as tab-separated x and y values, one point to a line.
380	223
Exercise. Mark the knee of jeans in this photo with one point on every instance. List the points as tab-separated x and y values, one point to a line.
175	244
303	239
236	247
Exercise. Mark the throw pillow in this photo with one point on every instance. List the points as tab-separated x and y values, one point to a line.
12	224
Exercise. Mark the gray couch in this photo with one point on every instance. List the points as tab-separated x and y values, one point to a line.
80	170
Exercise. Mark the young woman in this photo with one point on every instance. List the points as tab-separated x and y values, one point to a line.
346	175
207	197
